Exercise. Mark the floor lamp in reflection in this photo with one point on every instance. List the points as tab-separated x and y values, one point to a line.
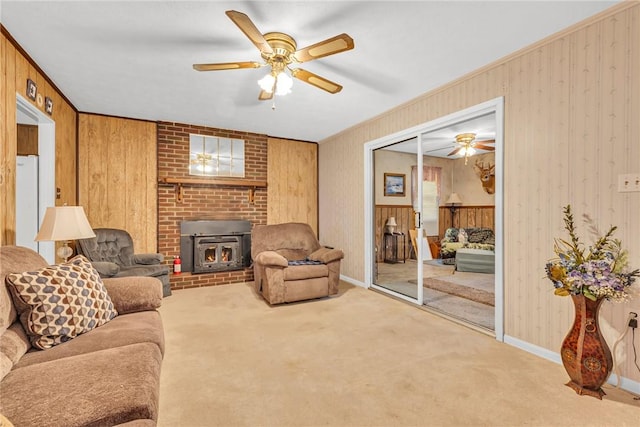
453	200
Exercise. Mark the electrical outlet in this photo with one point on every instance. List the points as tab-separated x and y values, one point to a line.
633	320
628	182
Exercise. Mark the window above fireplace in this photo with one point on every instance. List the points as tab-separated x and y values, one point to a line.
216	156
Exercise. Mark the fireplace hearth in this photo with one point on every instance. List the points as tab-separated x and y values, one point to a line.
211	246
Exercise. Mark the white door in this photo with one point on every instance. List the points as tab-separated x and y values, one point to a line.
430	208
27	201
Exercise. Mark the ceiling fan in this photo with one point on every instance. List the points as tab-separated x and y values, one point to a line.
279	50
468	145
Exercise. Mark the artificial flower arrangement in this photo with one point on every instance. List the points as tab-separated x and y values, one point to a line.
599	271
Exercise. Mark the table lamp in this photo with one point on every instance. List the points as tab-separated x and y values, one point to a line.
64	223
391	225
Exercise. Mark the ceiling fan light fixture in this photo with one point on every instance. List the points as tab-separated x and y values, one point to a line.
284	83
281	83
266	83
467	151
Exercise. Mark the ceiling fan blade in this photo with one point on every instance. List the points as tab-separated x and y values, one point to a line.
331	46
316	80
226	66
484	147
454	152
265	96
486	141
250	30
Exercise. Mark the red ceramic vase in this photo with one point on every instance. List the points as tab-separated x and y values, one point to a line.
585	354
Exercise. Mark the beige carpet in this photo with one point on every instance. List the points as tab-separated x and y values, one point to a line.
357	359
476	287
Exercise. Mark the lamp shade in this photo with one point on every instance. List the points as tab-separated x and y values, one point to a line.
392	221
64	223
454	198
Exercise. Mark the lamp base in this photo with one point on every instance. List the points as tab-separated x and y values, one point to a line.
64	251
453	209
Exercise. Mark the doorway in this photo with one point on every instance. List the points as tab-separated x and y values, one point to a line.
35	174
420	141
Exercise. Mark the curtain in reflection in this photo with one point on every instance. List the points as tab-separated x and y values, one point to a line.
429	173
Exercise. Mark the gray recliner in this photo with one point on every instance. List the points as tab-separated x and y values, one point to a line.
112	255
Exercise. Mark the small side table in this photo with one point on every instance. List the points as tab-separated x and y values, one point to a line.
391	242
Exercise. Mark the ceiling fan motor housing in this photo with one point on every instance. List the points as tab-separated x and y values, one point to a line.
283	47
465	138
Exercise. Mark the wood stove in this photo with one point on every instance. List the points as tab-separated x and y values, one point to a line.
212	246
216	253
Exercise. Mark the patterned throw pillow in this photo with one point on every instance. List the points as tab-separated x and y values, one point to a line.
480	235
462	236
59	302
451	235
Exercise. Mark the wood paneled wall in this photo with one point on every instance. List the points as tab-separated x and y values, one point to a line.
118	176
405	220
467	217
572	103
15	69
292	182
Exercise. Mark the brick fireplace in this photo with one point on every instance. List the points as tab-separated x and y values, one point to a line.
205	201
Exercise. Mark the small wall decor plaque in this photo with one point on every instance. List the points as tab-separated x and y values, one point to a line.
48	105
32	90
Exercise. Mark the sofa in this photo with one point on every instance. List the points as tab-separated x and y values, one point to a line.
289	264
470	238
102	368
112	254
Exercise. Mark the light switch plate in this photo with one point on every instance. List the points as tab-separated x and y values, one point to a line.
628	182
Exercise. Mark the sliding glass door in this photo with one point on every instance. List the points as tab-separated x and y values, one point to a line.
410	180
397	213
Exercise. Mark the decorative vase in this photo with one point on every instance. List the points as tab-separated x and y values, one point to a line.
585	354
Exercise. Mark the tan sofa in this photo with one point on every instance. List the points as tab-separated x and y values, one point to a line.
289	264
107	376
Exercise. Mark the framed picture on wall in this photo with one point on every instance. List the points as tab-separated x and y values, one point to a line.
32	90
394	184
48	105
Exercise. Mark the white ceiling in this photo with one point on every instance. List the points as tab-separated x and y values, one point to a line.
134	59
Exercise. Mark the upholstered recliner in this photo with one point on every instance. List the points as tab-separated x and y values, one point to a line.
289	264
111	254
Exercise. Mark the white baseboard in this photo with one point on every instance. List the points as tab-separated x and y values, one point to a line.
625	383
352	281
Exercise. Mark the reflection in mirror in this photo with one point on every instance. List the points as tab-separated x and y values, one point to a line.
451	158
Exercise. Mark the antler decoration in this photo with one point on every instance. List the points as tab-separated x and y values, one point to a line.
487	176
